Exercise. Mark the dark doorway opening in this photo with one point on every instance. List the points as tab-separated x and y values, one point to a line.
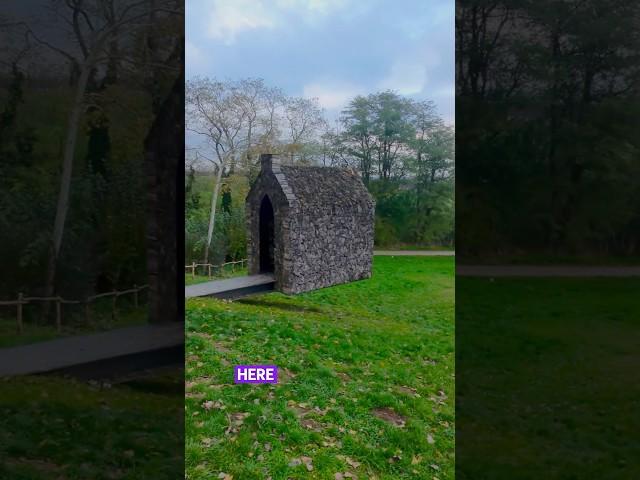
266	236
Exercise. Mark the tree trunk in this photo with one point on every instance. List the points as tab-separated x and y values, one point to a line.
62	207
164	165
212	214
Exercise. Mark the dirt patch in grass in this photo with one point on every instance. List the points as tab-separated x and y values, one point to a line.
311	424
390	416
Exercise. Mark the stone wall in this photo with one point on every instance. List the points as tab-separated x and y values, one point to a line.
324	220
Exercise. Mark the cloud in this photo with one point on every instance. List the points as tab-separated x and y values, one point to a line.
322	7
332	96
406	78
229	18
195	59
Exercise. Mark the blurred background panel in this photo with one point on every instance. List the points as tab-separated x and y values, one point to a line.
91	139
547	238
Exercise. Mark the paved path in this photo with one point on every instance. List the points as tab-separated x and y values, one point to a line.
219	288
79	350
546	271
415	253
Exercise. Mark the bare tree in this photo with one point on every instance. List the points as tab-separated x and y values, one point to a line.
220	117
94	27
304	121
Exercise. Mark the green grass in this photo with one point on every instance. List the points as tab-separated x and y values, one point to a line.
547	378
55	428
383	343
405	247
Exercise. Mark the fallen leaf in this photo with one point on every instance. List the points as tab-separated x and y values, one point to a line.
352	462
311	424
430	439
210	404
207	442
408	390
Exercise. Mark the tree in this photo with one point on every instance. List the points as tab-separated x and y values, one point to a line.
304	120
545	93
164	159
96	27
358	135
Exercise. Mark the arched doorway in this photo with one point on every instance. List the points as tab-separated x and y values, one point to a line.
266	236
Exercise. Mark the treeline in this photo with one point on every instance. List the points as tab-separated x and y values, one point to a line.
547	106
80	92
402	149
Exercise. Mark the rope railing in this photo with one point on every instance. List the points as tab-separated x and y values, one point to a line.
22	300
210	267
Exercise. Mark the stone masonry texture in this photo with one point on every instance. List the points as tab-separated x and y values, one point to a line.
323	225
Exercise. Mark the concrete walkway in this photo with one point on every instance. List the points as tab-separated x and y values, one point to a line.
546	271
414	253
230	287
89	350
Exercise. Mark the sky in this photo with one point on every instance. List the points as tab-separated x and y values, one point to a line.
332	50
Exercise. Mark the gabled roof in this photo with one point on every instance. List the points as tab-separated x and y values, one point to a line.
317	188
320	187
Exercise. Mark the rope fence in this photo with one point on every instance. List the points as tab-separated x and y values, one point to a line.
210	267
59	301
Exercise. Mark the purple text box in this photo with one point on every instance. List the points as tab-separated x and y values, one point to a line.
255	374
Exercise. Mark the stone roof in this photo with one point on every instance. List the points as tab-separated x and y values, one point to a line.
322	187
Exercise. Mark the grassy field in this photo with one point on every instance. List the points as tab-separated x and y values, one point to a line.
409	247
548	382
55	428
366	384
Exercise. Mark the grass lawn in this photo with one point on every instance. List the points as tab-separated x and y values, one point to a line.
55	428
366	387
548	382
405	247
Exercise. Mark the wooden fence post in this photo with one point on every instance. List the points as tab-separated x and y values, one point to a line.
20	312
87	312
59	314
209	269
114	307
135	295
193	270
